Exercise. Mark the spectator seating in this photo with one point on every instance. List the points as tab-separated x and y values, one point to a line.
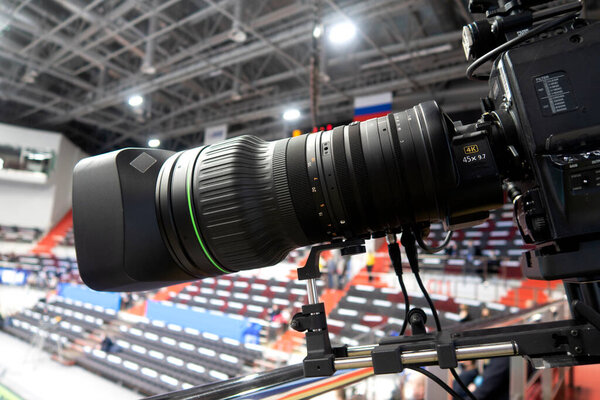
19	234
366	313
35	262
498	239
62	320
46	270
246	296
69	239
498	236
155	357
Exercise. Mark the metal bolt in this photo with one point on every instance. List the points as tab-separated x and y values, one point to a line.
342	222
578	349
574	332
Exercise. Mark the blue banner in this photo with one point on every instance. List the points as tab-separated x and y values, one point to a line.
10	276
108	300
220	325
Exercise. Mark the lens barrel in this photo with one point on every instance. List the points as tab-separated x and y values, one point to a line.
245	203
148	218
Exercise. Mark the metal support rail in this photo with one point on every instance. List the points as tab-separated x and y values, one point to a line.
357	358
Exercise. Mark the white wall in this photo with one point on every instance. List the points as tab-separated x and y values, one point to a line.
33	204
68	156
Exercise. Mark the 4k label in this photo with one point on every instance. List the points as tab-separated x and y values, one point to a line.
471	149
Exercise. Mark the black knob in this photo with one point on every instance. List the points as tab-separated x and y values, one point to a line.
417	320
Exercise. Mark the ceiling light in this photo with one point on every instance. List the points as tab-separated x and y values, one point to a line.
148	69
292	114
135	100
318	31
154	142
342	32
237	35
38	156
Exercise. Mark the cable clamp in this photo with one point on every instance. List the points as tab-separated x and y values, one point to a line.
446	351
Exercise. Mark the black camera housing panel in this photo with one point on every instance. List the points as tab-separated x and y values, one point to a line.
550	90
554	84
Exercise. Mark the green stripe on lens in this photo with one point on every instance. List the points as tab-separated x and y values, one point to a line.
189	199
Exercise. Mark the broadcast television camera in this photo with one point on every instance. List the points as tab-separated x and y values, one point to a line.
146	218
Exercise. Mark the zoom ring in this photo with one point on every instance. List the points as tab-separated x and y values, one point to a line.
236	204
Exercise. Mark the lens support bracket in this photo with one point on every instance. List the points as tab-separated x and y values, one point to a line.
320	356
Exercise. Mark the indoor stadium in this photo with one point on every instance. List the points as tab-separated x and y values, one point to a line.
299	199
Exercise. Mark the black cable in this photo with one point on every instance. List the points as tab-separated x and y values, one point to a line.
436	318
396	259
462	384
513	42
408	241
406	307
438	326
437	380
430	249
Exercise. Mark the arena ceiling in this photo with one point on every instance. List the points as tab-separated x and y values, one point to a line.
72	65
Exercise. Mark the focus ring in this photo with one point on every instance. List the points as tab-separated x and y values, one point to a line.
360	171
282	190
300	189
354	218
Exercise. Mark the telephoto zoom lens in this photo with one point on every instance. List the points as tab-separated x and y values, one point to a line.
244	203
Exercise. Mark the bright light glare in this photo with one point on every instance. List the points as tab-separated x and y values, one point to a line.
292	114
318	31
135	100
342	32
153	142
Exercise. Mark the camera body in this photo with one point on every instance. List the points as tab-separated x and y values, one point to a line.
544	96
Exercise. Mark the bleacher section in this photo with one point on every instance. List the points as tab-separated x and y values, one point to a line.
69	239
498	239
498	236
63	320
44	267
246	296
19	234
152	357
156	357
367	312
